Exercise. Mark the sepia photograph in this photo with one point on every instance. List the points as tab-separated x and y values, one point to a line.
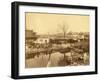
52	40
56	40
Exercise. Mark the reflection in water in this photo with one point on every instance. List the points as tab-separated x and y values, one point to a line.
57	59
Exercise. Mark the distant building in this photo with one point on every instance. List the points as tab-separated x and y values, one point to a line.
29	34
42	40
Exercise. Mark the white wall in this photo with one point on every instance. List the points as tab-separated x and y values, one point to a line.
5	40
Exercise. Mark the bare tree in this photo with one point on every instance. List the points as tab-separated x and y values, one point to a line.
64	28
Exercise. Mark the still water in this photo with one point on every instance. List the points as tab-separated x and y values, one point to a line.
43	60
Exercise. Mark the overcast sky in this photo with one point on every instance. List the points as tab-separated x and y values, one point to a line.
43	23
